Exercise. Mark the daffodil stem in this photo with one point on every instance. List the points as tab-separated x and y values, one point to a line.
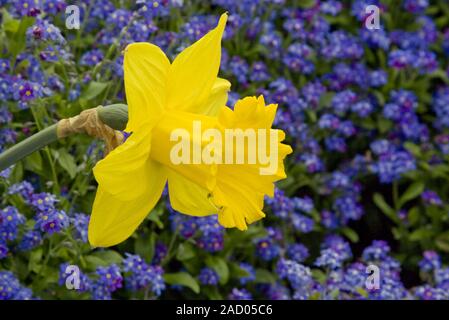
115	116
28	146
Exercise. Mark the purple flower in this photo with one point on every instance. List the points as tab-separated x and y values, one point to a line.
304	204
392	165
380	147
407	100
30	240
259	72
329	258
378	250
240	294
426	292
415	6
298	275
302	223
239	68
140	275
109	277
431	261
24	188
378	78
335	143
297	252
400	59
348	207
297	58
208	276
91	58
430	197
54	6
43	201
11	289
45	31
342	101
212	242
10	219
312	162
362	108
160	252
266	249
4	66
249	269
28	7
331	7
81	222
4	251
329	121
329	219
52	221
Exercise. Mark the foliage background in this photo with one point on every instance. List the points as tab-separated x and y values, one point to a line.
366	111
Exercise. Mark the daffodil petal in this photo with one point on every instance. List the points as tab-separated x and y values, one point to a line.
217	98
194	71
146	69
188	197
114	220
125	173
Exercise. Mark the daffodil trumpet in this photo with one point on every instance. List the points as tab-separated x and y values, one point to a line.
165	100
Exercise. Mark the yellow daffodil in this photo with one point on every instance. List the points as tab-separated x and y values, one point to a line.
164	97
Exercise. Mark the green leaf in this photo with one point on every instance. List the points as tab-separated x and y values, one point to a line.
182	279
350	234
412	192
212	293
307	3
237	272
144	246
384	207
220	266
384	125
319	275
185	252
442	244
421	234
106	257
16	32
442	241
94	90
66	161
155	215
413	216
9	23
264	276
413	148
93	262
34	162
35	259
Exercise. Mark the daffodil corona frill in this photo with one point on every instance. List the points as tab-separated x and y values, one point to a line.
163	98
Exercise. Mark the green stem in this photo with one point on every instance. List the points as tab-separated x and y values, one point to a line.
115	116
395	196
47	152
28	146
